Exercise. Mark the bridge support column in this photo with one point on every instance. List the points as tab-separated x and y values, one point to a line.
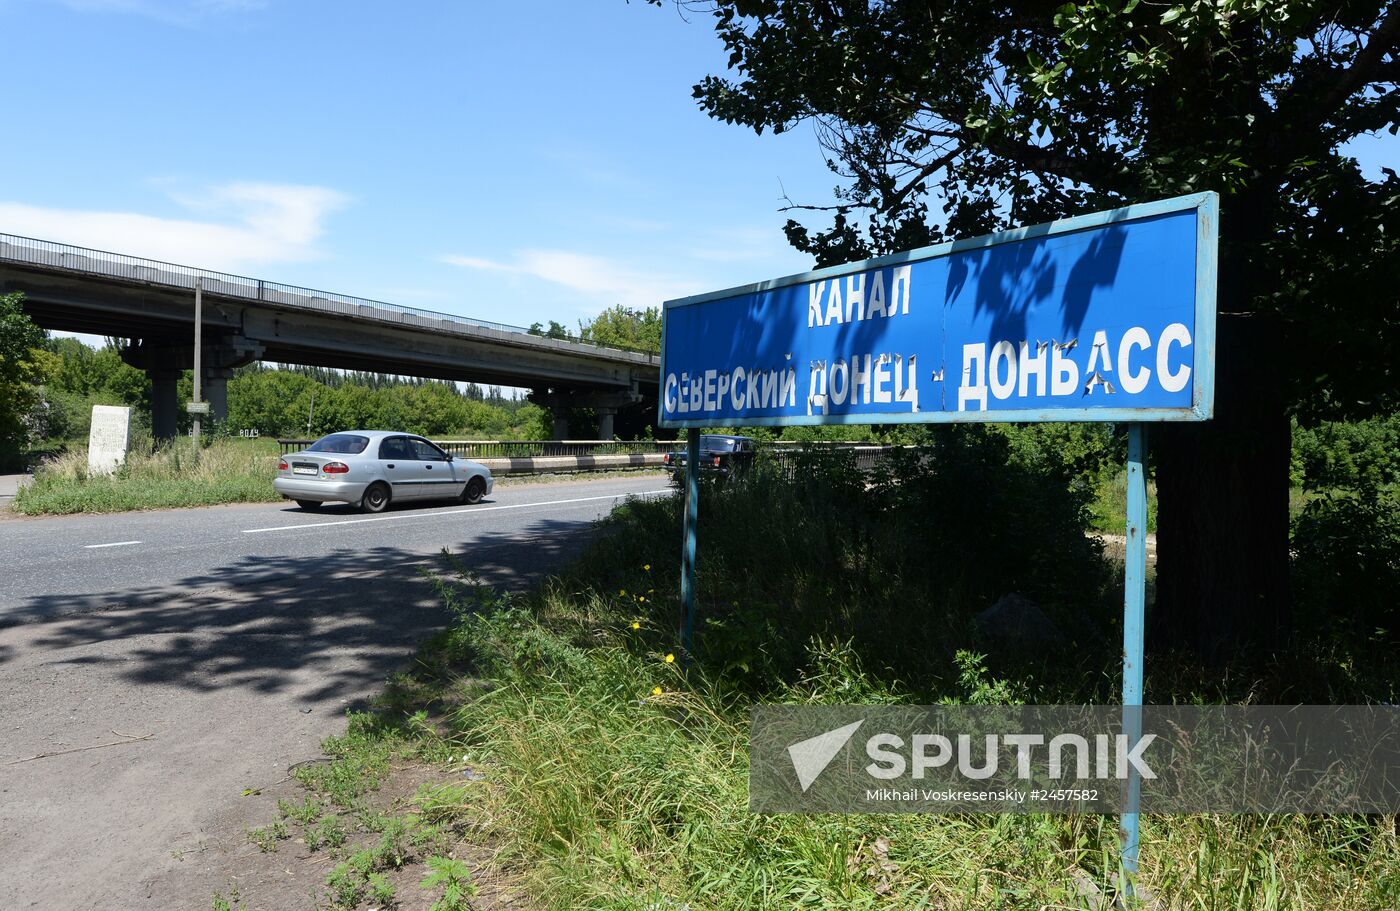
164	359
558	402
605	404
215	382
165	406
605	422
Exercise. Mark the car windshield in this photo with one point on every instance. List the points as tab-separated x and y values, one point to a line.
718	444
347	443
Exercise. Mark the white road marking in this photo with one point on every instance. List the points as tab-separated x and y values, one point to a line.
113	544
448	512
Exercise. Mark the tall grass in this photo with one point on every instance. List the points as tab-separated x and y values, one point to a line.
617	780
154	477
606	795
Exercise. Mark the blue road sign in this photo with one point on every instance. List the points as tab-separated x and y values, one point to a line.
1105	317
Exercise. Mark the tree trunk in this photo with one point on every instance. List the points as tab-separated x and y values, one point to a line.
1222	523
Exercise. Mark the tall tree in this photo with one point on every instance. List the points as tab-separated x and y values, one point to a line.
638	329
949	118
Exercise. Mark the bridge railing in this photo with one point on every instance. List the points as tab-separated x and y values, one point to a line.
33	252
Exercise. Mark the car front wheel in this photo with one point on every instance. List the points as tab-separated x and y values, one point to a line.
474	491
376	498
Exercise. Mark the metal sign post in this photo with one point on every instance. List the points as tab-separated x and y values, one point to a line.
1108	317
1134	611
688	542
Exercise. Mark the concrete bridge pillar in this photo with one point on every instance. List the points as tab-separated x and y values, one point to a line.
214	382
164	359
605	422
165	405
558	403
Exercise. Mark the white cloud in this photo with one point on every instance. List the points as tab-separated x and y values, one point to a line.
244	225
597	278
740	245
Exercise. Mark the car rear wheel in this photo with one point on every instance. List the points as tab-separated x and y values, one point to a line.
474	491
309	505
376	498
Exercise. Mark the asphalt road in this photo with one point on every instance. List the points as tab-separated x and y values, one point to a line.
231	639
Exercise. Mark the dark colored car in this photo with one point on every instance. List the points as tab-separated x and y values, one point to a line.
720	454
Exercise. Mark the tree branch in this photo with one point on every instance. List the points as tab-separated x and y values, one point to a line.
1058	164
923	172
1320	100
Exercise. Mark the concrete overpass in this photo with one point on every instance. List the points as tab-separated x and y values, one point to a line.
151	304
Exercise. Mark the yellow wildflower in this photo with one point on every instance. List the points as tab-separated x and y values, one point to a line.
670	659
656	691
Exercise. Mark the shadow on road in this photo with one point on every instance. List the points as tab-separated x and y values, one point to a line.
343	619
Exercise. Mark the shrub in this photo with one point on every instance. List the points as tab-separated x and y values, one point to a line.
1347	565
897	563
1348	455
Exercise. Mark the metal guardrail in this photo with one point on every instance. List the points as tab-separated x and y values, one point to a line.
545	456
867	456
524	449
30	251
572	464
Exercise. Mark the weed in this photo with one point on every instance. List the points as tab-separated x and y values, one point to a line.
380	889
454	877
267	837
306	812
349	881
232	903
328	833
443	802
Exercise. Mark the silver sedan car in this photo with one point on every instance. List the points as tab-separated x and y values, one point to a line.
372	468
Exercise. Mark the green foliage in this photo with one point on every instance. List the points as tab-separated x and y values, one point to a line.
607	795
555	330
1346	540
232	902
267	837
1348	455
87	371
284	402
1347	566
20	366
821	552
1009	114
454	877
297	403
625	327
227	471
981	116
81	377
276	403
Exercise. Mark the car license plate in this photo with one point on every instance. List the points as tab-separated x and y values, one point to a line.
299	470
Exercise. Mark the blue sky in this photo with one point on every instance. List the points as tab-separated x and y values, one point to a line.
508	161
496	160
